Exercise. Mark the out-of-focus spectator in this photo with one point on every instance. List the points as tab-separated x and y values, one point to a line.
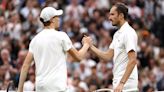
29	7
134	10
83	71
93	79
74	10
29	85
14	27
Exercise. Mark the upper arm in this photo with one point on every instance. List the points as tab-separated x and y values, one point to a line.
110	53
29	58
132	55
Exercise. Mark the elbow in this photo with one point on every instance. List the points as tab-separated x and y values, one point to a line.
105	59
78	58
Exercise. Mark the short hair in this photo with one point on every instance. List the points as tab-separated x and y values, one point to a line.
122	8
45	23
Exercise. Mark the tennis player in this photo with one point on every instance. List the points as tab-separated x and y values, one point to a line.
48	49
123	50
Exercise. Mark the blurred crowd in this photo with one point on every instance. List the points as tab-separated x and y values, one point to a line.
19	23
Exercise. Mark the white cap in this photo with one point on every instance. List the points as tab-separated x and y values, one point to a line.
49	12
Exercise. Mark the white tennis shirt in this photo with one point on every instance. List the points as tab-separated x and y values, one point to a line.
49	50
124	40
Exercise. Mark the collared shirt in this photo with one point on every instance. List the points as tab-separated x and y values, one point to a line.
124	40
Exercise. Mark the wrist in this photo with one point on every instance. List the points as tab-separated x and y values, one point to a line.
122	82
92	46
86	44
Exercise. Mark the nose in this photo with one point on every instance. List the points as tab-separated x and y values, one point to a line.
110	19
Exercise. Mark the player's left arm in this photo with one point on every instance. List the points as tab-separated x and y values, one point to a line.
130	42
130	66
24	71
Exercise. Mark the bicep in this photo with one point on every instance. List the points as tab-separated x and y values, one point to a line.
132	55
110	53
74	53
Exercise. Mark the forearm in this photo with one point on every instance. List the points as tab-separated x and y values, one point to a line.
128	71
83	51
23	76
103	55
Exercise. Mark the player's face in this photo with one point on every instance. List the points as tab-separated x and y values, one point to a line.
114	16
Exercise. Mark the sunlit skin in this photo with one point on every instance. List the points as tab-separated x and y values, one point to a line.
116	18
55	21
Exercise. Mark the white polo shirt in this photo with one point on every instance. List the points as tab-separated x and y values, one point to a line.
124	40
49	49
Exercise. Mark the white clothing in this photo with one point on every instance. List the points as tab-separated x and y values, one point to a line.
73	12
28	86
134	11
49	50
125	40
14	30
49	12
26	11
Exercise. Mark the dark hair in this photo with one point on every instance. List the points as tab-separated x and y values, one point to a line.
122	8
47	23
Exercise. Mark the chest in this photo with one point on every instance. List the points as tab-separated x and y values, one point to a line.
118	41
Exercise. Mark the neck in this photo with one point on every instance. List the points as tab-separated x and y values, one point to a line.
121	23
49	27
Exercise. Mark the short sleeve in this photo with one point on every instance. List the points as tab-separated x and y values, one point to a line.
66	42
31	46
130	42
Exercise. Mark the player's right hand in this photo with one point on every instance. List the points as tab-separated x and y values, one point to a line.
87	40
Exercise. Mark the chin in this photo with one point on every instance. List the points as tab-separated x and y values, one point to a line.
114	24
57	28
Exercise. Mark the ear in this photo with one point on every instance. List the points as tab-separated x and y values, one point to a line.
121	15
52	20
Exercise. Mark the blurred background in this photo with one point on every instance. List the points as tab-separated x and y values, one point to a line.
19	23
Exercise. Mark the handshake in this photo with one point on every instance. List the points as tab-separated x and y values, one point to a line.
88	44
87	41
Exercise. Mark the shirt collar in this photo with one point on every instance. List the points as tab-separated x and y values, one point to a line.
123	27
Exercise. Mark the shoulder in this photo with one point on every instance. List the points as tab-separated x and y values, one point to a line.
129	33
130	30
37	36
62	33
